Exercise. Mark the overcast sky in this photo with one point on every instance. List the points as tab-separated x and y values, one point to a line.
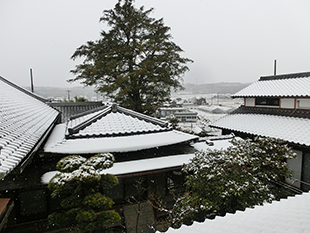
229	41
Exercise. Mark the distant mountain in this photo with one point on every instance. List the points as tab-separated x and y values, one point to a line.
89	93
220	88
54	92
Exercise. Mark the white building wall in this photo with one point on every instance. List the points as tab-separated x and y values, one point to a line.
303	103
287	103
250	102
295	165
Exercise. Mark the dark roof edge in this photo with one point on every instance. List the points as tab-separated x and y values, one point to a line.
285	76
73	104
296	113
23	90
88	112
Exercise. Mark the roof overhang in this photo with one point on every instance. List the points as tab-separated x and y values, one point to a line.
59	145
140	167
291	129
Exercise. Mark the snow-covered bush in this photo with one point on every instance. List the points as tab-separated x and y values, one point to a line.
79	187
70	163
243	175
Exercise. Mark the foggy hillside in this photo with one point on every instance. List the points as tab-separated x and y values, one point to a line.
220	88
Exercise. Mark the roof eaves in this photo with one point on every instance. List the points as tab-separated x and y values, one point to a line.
259	135
88	111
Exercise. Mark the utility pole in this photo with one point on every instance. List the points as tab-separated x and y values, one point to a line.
68	95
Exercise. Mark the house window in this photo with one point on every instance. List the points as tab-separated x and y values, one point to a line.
267	101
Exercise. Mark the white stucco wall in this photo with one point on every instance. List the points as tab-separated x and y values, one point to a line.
250	102
303	103
287	103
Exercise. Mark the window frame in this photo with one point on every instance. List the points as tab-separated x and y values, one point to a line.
267	101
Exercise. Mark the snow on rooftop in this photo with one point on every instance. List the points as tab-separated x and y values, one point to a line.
287	215
58	144
24	120
209	143
149	164
137	166
118	123
287	87
290	129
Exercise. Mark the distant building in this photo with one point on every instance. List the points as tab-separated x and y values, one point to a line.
182	114
186	116
167	111
276	106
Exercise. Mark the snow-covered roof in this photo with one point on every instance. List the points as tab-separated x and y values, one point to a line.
112	129
286	215
291	129
138	166
289	85
113	120
25	119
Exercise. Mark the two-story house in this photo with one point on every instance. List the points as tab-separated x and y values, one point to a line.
276	106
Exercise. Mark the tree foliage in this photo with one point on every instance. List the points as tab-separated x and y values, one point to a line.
243	175
135	62
80	188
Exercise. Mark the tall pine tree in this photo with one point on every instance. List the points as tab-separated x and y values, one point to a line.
135	62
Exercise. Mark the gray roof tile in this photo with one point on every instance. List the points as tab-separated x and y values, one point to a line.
25	118
113	120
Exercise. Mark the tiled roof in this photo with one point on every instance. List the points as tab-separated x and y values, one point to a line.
111	121
112	129
291	129
25	119
287	215
289	85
